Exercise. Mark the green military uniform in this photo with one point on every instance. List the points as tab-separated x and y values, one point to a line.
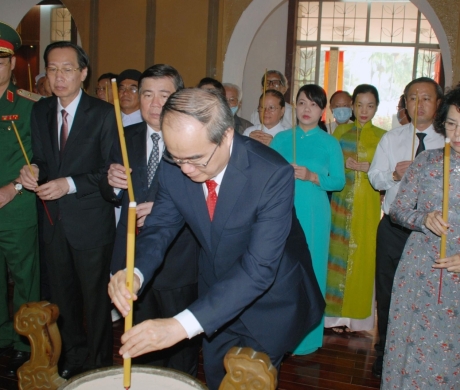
18	218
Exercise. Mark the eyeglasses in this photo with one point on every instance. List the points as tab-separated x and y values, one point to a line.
101	89
66	72
273	83
451	126
232	100
268	109
178	161
131	89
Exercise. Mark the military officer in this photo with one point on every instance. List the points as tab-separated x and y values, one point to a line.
18	215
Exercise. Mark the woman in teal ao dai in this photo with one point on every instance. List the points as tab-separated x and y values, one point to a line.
318	166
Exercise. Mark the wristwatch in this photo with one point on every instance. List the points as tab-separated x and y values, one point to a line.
17	187
394	178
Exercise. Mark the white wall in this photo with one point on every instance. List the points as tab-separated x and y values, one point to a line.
267	51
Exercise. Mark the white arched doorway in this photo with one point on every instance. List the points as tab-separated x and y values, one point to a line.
241	51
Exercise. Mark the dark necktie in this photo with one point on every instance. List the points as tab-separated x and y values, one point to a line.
64	132
154	158
211	200
421	145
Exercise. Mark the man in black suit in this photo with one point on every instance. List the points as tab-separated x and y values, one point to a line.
256	283
174	286
72	135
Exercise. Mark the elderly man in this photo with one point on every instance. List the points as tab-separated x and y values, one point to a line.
42	85
18	215
256	283
277	81
72	135
174	287
128	87
234	94
392	157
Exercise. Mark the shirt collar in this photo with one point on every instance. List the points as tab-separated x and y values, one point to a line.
71	109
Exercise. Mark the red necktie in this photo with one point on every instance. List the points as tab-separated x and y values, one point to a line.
64	132
211	200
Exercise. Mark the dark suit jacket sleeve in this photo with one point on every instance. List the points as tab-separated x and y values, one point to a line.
254	273
88	183
106	189
160	228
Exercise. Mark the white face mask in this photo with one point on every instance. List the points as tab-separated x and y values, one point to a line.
234	109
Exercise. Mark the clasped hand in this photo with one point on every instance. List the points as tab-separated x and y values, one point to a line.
354	165
53	189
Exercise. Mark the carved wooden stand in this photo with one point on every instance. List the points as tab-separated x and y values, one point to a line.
248	369
37	321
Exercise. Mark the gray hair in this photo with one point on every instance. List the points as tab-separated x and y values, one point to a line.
238	89
207	107
279	74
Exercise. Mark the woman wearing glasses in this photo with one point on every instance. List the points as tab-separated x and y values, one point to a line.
355	217
423	339
318	167
272	110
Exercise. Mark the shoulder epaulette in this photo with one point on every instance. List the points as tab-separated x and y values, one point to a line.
35	97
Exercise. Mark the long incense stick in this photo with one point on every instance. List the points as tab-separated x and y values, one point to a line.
31	89
30	167
263	100
445	208
294	130
131	230
107	91
415	125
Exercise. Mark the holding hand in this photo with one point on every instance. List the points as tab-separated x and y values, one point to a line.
451	263
400	170
151	335
119	293
142	210
354	165
28	180
435	223
260	136
117	176
303	173
54	189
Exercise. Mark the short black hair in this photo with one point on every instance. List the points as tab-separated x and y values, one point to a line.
160	71
275	93
215	83
365	88
439	91
452	98
314	93
109	76
82	57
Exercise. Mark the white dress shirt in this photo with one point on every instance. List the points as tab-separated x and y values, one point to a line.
71	109
396	146
286	121
273	131
131	119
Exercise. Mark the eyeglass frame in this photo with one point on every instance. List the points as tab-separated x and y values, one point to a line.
274	83
123	89
180	162
62	70
451	123
268	109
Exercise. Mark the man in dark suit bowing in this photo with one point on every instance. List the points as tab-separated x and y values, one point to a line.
256	283
174	286
72	135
